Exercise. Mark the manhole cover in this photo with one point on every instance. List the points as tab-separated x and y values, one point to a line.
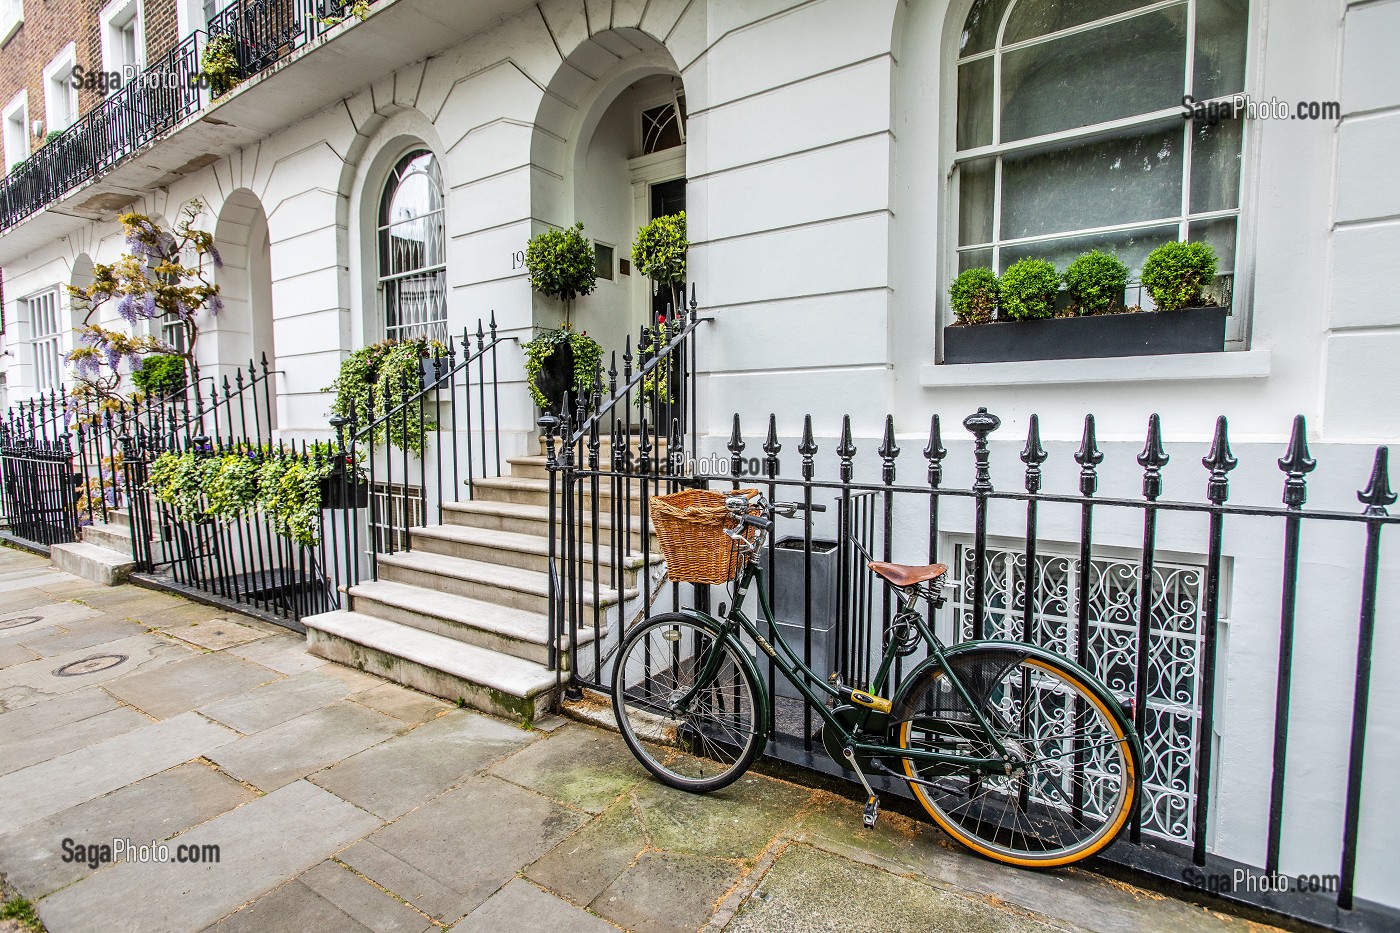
98	662
17	621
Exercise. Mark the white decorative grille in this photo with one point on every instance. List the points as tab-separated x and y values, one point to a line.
45	335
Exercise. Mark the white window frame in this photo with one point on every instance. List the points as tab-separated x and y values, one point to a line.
385	281
11	18
16	150
114	18
1238	323
46	348
58	75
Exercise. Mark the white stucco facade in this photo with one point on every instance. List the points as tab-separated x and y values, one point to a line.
817	157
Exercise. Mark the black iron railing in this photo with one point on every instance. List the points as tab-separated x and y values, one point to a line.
167	92
1147	619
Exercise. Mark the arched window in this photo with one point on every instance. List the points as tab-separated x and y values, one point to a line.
1070	129
412	250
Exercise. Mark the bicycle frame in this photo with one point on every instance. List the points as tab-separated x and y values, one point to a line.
800	675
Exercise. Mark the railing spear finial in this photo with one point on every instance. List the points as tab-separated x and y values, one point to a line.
846	450
1377	494
1297	463
1220	462
889	450
807	448
1152	459
1089	457
1033	455
771	447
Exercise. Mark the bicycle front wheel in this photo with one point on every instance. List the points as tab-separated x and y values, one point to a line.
1073	771
715	738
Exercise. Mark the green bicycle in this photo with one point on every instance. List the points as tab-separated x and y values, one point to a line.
1017	753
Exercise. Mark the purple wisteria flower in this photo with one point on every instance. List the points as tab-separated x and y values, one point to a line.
214	255
216	304
148	307
126	307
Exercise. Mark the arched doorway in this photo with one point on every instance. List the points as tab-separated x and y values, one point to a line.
243	331
623	162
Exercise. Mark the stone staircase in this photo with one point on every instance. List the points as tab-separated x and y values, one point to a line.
463	614
104	554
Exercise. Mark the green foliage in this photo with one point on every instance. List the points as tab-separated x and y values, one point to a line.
289	492
1176	274
387	367
657	384
230	484
219	64
587	354
50	136
975	293
1028	290
1096	281
160	374
660	248
178	481
359	9
22	912
561	263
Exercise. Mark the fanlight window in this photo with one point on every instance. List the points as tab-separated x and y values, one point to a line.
1070	133
412	250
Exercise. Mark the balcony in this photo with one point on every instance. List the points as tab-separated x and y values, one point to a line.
166	123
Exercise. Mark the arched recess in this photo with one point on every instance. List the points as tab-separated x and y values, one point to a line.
591	162
243	330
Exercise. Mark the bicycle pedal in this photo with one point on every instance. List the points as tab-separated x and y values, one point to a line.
872	812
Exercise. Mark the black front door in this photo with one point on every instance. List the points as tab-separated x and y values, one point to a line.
668	197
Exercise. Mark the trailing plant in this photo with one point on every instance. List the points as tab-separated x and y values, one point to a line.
656	385
177	479
230	484
562	265
587	355
219	64
1176	274
160	374
359	9
1028	290
165	276
974	293
386	372
659	253
1095	282
289	492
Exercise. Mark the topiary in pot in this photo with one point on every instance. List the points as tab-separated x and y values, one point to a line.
1176	274
974	294
1028	290
1096	281
561	361
659	251
561	265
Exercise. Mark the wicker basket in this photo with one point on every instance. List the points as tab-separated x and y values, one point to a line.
690	525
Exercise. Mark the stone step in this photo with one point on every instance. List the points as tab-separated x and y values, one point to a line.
488	582
109	535
511	549
92	562
534	491
526	519
605	442
486	680
491	626
119	517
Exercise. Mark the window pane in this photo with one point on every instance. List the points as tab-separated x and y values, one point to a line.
974	259
1215	166
1097	184
1115	71
1033	18
1221	235
1131	246
976	186
980	28
975	104
1221	33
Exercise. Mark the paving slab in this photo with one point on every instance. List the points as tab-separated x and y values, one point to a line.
285	653
361	900
297	747
253	859
667	892
277	702
402	703
46	678
584	864
163	616
808	889
85	633
30	579
216	633
448	856
738	822
10	655
578	765
358	681
395	776
520	907
293	906
21	753
22	623
157	807
57	713
189	684
33	793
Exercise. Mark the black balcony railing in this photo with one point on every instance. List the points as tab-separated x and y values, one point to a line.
167	92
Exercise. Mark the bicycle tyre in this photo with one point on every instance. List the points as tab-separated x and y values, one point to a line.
1073	791
712	745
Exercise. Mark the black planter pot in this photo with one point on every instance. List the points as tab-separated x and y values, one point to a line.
432	369
556	376
339	491
1148	333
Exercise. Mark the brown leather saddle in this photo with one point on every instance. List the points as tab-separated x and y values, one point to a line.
907	574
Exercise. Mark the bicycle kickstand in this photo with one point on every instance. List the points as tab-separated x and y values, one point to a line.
872	802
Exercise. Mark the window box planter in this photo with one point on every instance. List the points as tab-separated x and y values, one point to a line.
1146	333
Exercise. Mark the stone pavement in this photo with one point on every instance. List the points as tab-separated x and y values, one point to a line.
339	802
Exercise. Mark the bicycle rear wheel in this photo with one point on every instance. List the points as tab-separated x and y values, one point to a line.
1074	771
716	739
